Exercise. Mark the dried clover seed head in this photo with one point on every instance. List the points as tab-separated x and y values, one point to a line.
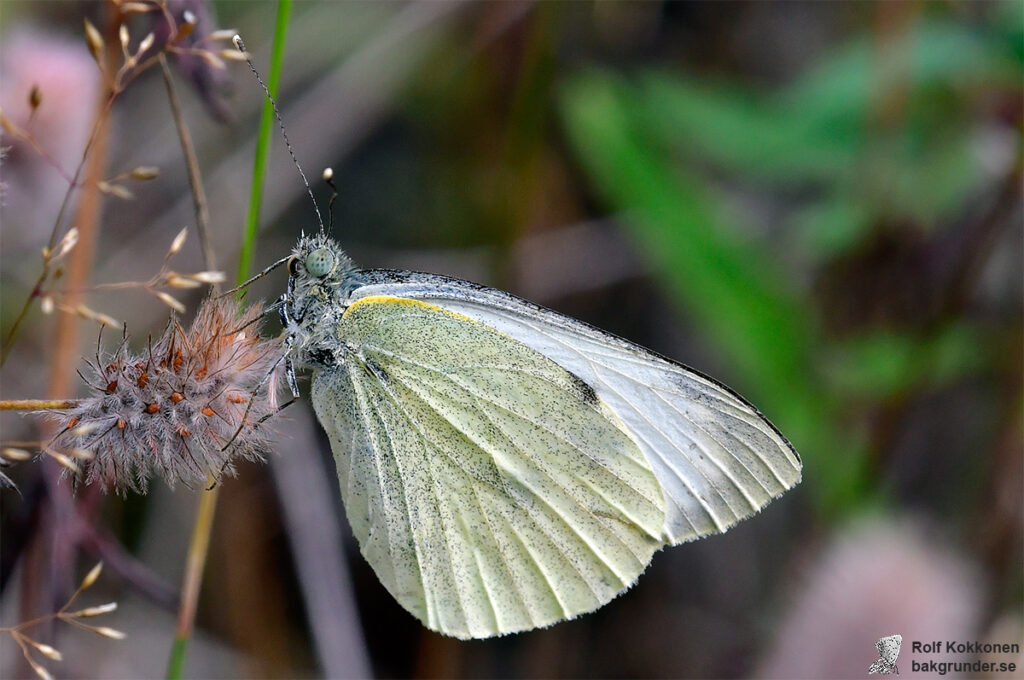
171	409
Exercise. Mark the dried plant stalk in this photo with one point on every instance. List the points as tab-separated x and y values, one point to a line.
28	644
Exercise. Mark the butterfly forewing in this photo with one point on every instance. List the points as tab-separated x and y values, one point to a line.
716	457
491	489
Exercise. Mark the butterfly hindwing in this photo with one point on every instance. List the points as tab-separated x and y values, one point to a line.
491	489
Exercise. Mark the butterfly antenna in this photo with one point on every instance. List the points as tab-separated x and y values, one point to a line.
329	179
240	46
254	278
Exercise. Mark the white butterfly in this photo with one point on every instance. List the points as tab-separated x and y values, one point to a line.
505	467
888	651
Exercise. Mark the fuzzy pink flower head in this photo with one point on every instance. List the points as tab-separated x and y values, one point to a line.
185	408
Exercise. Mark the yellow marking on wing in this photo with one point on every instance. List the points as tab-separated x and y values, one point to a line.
407	302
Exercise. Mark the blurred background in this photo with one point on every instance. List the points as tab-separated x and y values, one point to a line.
817	203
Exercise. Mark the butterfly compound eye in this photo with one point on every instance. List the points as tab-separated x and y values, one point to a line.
320	262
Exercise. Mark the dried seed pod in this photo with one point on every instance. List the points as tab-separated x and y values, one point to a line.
67	242
95	42
145	172
178	242
208	277
171	301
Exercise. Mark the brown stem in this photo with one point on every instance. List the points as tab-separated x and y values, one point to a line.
36	404
192	166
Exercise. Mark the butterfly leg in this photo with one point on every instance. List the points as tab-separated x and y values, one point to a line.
287	322
289	373
245	414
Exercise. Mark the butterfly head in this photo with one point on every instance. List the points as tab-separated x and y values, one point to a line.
319	266
317	258
321	278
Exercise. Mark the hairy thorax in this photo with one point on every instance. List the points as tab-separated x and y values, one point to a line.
314	304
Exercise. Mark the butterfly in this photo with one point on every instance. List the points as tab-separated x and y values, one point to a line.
888	651
504	467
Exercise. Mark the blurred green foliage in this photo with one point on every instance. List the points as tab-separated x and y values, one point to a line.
871	141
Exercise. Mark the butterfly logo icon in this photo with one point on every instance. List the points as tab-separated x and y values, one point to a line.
888	650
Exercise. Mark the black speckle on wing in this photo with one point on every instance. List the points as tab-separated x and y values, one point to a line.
583	389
